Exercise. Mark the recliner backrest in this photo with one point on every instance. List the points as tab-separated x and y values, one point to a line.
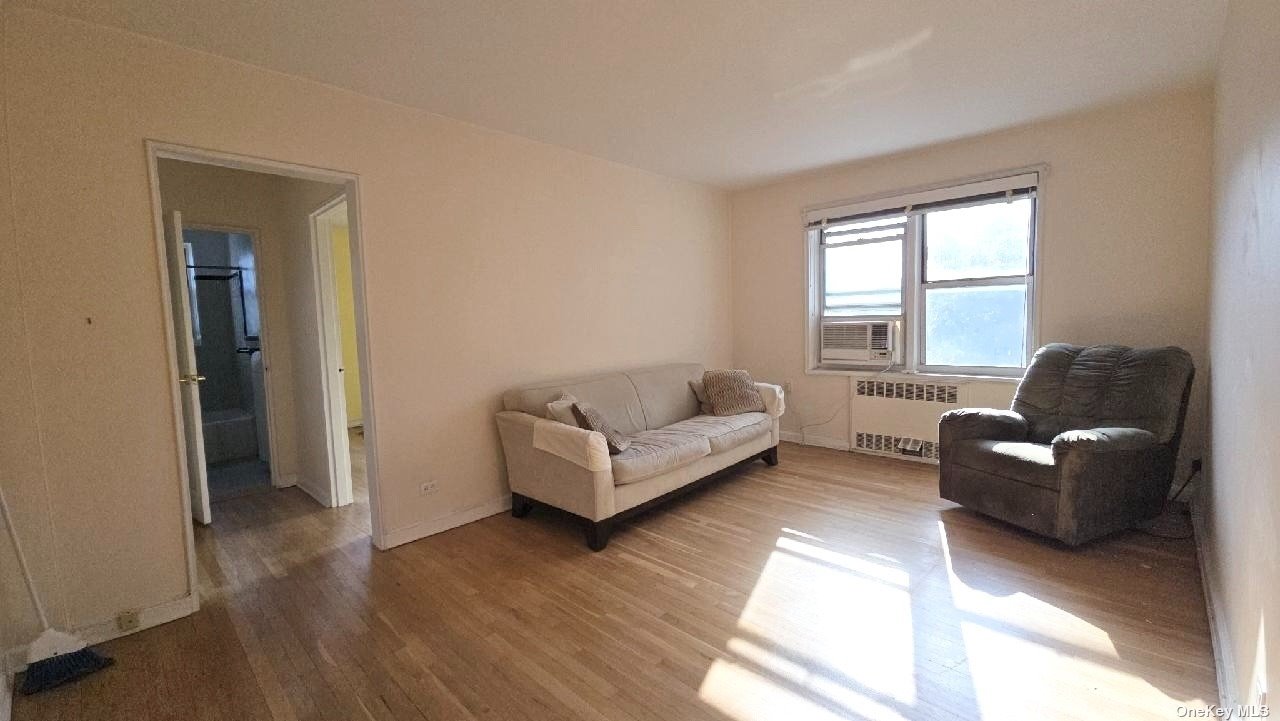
1070	387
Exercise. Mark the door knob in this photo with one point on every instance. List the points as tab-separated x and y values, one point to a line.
191	378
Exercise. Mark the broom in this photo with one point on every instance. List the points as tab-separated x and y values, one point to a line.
54	658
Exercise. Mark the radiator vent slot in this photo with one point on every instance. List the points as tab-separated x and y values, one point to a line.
889	445
909	391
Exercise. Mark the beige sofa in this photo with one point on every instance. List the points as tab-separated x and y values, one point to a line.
673	445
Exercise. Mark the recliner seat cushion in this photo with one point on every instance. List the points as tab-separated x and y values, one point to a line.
725	432
655	452
1030	463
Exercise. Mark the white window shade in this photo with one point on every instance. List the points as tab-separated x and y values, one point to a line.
930	199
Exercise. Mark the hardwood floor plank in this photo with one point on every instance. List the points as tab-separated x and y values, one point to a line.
832	586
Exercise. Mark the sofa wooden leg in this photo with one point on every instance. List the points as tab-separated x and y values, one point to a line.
770	457
520	505
598	533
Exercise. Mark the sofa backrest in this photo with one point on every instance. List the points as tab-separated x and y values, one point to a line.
665	394
1071	387
632	401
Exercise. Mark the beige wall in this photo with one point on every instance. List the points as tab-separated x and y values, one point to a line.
1244	470
1124	241
20	454
341	238
473	241
211	195
300	199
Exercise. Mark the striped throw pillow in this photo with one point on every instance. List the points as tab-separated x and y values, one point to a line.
590	418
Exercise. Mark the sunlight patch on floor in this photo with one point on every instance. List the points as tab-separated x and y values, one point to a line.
743	694
823	635
1025	655
997	605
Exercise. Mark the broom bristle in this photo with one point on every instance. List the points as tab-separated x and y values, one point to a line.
60	669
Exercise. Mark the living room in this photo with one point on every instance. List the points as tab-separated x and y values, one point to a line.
545	195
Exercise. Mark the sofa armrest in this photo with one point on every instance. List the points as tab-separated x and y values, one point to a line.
986	424
775	399
1104	440
565	467
579	446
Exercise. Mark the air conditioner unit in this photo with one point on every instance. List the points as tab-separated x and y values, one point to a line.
851	342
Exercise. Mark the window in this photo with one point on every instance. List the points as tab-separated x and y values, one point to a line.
934	281
194	298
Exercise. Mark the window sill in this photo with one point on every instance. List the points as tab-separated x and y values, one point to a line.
903	375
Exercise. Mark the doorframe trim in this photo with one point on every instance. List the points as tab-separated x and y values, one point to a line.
155	150
264	336
171	353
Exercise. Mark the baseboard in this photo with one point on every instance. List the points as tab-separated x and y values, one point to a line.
422	529
96	633
809	439
284	481
1223	663
321	496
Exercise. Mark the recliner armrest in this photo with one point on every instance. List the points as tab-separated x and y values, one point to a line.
1104	440
988	424
775	400
1109	478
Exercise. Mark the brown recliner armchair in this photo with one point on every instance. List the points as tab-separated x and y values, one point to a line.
1087	449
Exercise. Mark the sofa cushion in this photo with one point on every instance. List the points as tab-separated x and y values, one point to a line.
664	393
725	432
614	395
731	392
588	417
655	452
1030	463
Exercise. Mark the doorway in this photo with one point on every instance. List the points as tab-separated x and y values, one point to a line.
243	269
222	284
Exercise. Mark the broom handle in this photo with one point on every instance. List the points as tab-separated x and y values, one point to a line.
22	561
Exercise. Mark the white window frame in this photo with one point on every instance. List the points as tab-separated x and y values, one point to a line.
911	323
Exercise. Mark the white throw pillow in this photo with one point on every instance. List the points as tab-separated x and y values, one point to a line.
561	410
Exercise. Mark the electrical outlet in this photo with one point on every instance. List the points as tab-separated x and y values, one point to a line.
127	620
786	386
428	488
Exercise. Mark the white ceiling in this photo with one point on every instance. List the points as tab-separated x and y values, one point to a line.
728	92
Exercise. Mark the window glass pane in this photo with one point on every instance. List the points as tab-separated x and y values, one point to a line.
979	241
864	279
975	326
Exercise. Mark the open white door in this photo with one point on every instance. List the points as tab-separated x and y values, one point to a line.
188	375
333	387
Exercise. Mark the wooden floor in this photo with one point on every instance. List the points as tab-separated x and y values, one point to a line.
834	586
